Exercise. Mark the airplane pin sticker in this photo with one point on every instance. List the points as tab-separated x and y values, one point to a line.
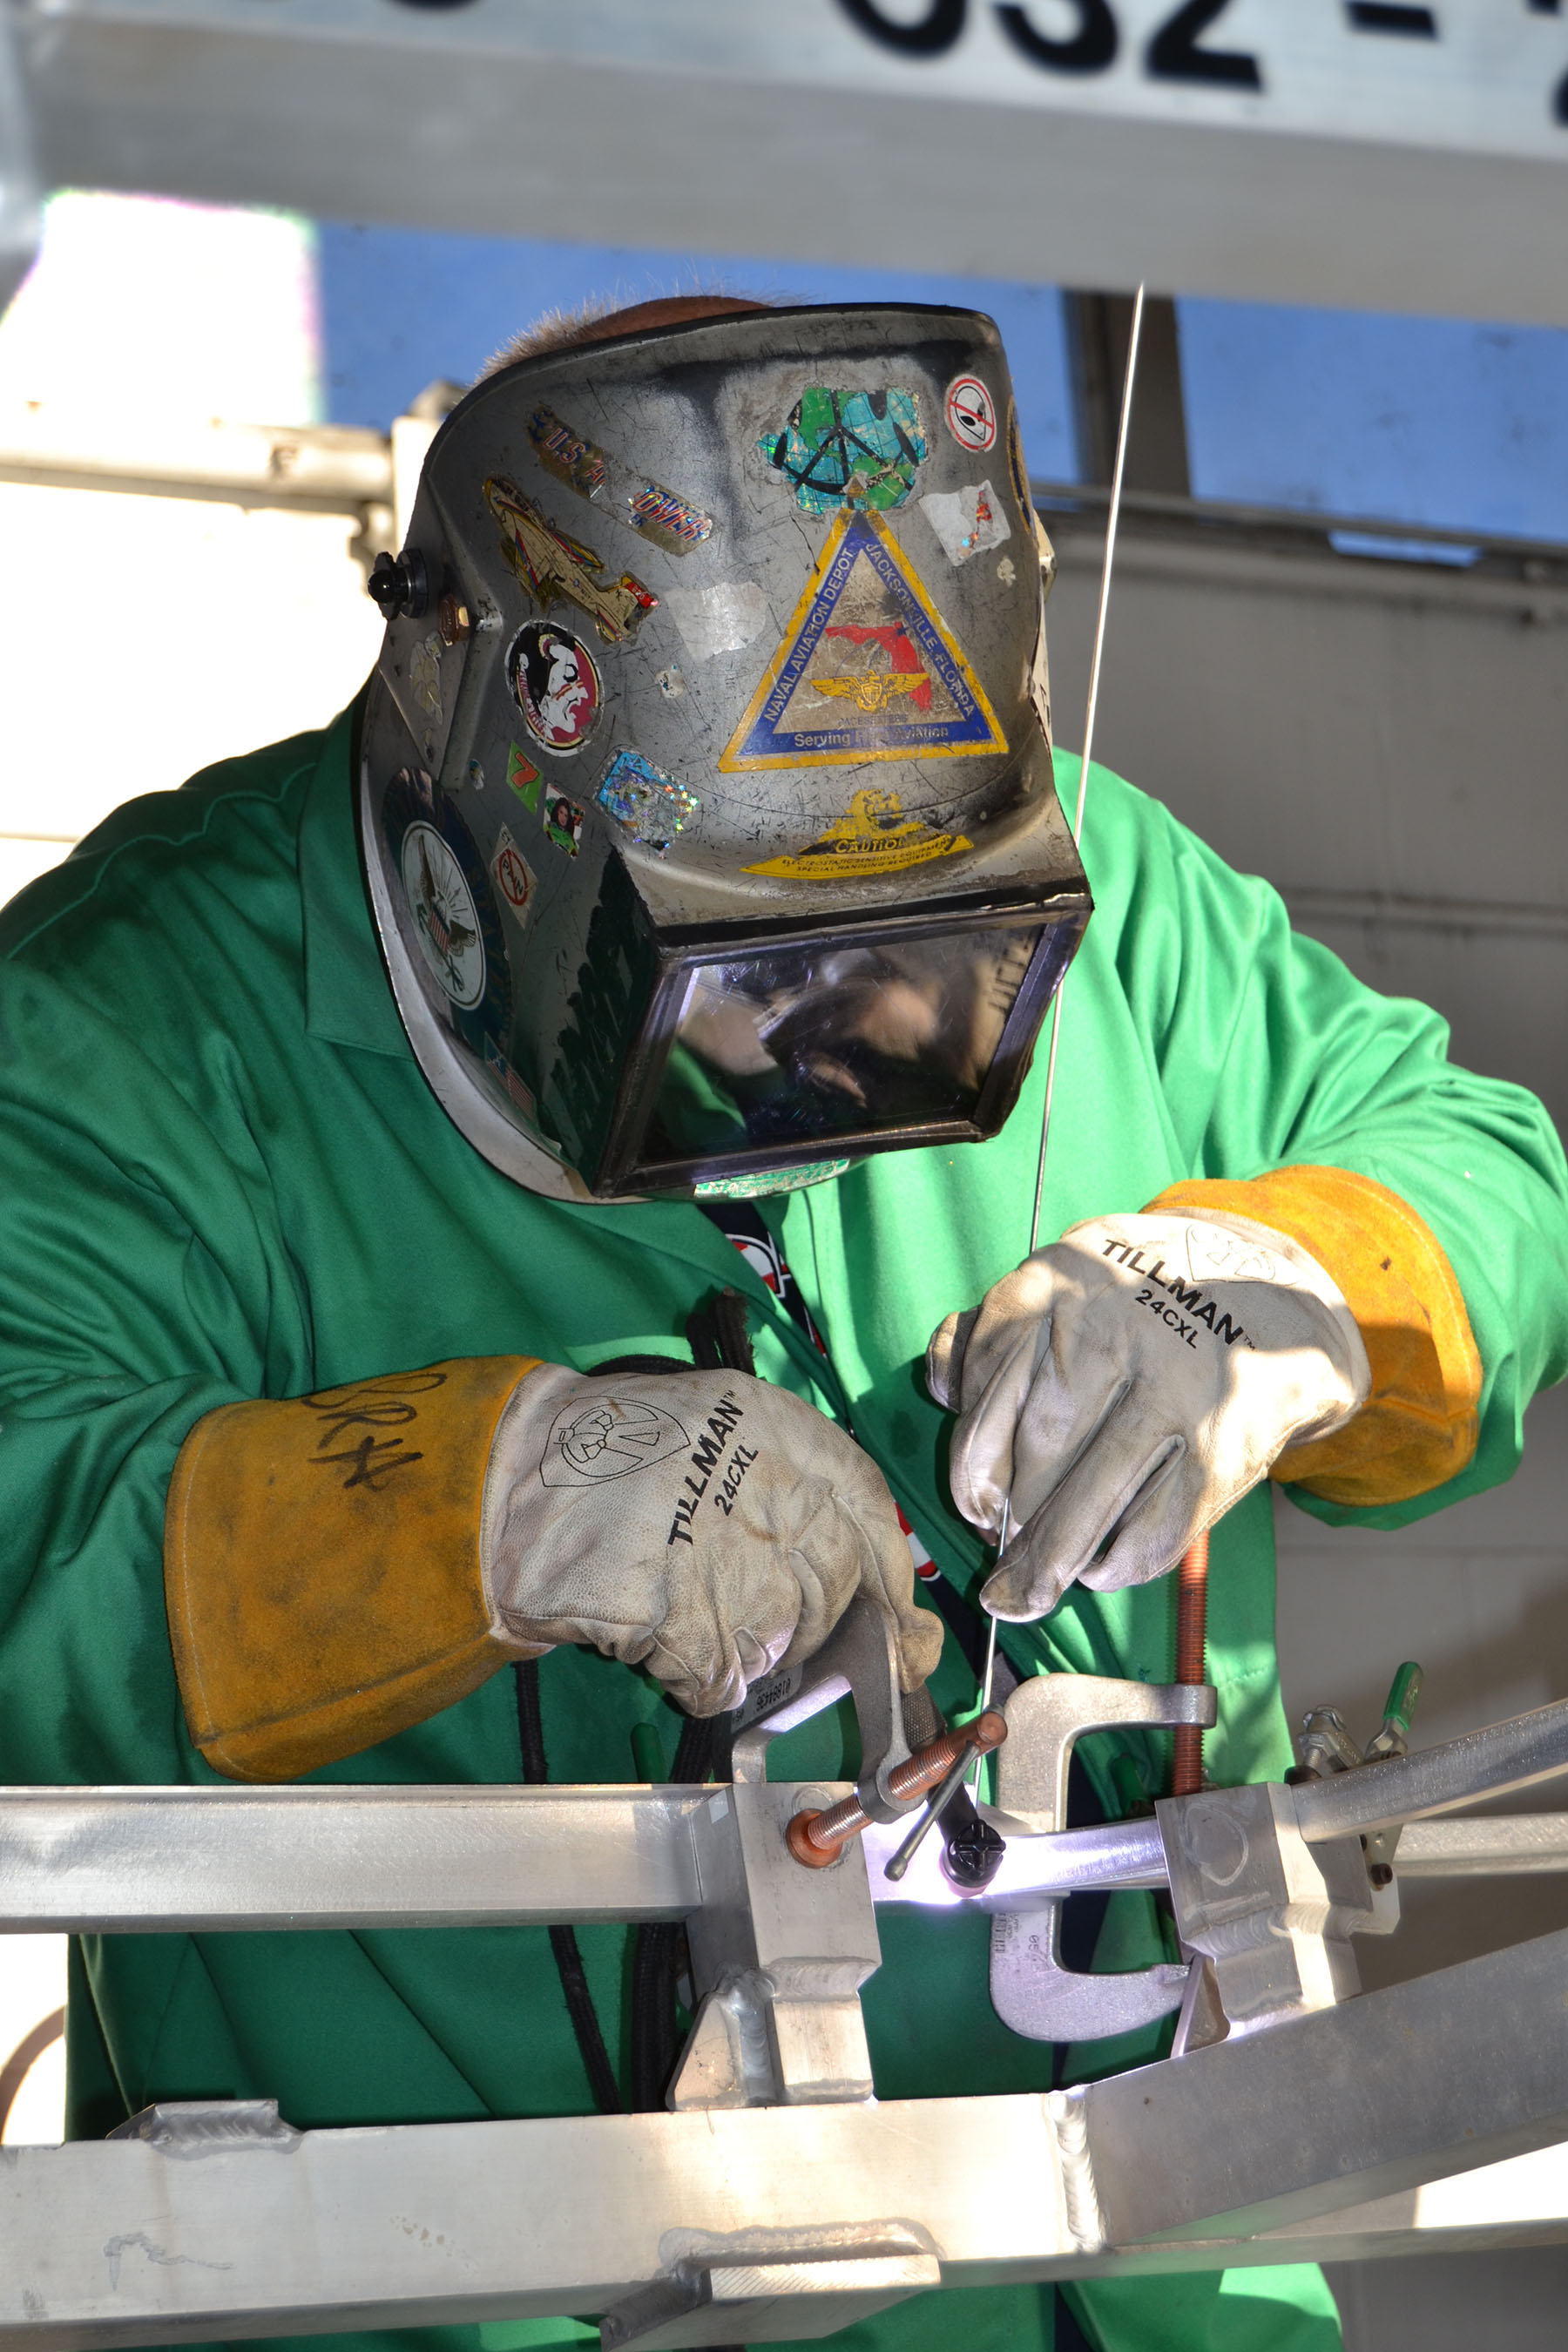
554	566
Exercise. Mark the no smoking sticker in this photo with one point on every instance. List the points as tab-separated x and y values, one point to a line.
971	414
513	875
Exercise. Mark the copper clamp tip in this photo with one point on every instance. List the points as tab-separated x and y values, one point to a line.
819	1838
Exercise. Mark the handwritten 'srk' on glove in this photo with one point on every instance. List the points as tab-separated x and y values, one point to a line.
1127	1385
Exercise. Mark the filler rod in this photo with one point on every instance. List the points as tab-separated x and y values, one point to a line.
1112	519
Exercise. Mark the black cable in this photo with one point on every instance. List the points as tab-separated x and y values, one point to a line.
716	1335
563	1940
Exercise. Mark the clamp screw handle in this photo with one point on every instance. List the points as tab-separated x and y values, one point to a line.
817	1839
1393	1739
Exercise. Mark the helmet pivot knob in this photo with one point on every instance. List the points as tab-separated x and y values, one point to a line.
399	585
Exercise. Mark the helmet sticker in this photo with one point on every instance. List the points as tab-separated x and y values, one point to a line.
566	454
502	1070
562	818
450	903
512	875
552	566
971	414
840	445
769	1179
645	507
425	675
563	822
874	836
445	915
966	522
866	669
718	620
667	521
651	806
555	685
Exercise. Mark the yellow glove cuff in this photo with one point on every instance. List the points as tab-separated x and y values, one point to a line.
1419	1425
322	1565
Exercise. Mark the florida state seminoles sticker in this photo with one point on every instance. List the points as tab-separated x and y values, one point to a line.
971	414
556	685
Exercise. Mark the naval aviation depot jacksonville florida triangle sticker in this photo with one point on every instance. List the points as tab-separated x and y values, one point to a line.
866	670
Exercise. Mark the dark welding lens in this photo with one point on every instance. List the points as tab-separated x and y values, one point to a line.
831	1040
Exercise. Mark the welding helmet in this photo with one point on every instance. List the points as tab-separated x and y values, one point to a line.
705	784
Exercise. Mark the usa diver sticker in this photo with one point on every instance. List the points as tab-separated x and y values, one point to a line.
866	670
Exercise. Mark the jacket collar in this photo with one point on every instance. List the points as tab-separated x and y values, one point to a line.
348	1000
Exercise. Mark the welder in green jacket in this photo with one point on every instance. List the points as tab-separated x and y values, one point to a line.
709	889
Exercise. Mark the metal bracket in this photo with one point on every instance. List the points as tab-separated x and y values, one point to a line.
779	1955
787	2287
859	1660
1032	1990
1272	1915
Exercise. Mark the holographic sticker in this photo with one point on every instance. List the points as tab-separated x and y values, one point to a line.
769	1179
840	445
671	522
567	453
651	806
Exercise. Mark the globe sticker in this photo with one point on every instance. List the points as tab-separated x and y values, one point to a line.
971	414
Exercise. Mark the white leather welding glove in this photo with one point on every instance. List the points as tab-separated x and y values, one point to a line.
704	1524
1126	1386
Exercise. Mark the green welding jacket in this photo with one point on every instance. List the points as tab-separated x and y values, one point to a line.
222	1177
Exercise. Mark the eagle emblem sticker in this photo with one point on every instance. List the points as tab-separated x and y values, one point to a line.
448	905
445	915
866	670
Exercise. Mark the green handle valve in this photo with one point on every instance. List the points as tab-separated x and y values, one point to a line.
1400	1706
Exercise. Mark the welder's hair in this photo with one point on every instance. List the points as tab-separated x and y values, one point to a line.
594	322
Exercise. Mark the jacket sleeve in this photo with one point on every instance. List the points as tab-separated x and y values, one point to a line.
323	1577
1438	1198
